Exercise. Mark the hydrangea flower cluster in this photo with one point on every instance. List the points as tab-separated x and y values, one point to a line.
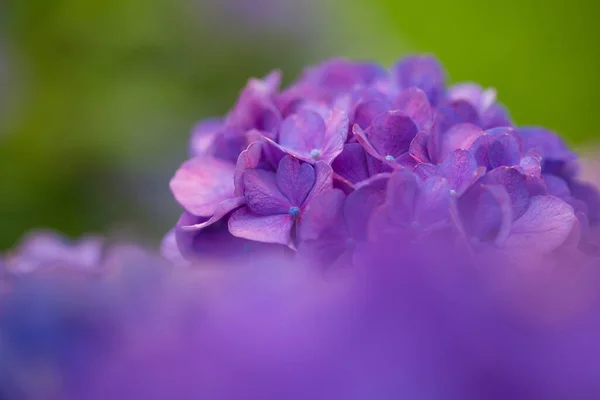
64	304
352	153
351	166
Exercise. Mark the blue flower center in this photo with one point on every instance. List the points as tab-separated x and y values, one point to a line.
294	211
390	158
315	154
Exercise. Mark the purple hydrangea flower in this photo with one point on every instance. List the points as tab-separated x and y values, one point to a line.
459	166
276	201
412	320
61	307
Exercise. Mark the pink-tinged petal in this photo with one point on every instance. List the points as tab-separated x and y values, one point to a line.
531	164
458	137
351	164
426	171
336	134
255	108
391	133
324	213
245	224
461	170
222	210
419	147
414	103
343	184
295	179
262	194
203	136
202	183
544	227
323	180
404	161
514	183
424	72
359	205
285	150
469	92
361	138
303	132
248	159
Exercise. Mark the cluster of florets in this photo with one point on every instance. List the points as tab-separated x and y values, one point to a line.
352	154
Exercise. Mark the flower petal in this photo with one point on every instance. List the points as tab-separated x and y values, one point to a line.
336	134
401	198
170	250
493	151
255	108
222	210
340	74
367	109
203	136
514	183
433	203
359	205
295	179
486	212
323	180
458	137
262	194
414	103
202	183
362	139
303	132
351	164
418	148
424	72
545	225
248	159
548	143
391	133
243	223
461	170
324	213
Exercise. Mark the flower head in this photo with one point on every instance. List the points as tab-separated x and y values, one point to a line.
287	166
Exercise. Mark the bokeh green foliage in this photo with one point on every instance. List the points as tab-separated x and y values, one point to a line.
543	57
103	93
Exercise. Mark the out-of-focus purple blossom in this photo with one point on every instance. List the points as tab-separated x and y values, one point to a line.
44	250
60	305
404	322
453	153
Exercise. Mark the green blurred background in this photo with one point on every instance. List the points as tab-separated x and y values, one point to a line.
97	97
